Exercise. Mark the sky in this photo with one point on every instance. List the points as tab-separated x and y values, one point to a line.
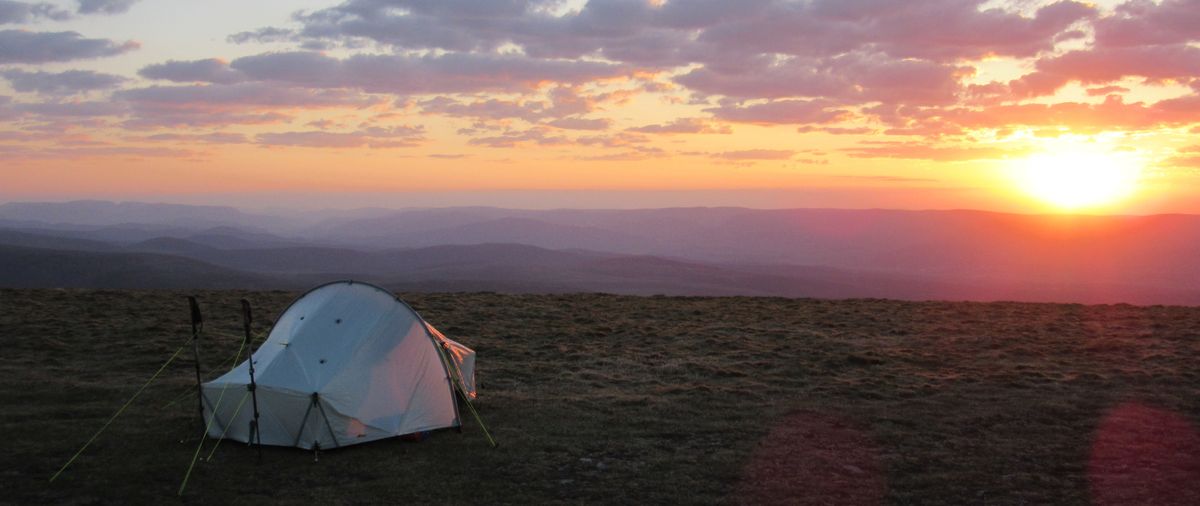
1017	106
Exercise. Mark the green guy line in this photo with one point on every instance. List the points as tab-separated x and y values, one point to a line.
119	411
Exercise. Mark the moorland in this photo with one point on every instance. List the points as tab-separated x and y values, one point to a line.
626	399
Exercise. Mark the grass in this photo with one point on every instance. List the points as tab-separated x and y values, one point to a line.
616	399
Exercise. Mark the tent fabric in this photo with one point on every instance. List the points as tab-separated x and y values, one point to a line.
346	363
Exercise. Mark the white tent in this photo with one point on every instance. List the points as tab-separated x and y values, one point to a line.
346	363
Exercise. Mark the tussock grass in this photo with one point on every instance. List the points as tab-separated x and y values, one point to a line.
622	400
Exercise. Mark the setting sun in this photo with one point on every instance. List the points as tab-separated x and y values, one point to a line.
1078	178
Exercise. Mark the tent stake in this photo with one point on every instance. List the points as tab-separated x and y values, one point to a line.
197	327
255	435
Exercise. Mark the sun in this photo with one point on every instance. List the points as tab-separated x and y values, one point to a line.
1077	178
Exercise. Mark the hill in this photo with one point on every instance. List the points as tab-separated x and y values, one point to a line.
603	399
953	255
35	267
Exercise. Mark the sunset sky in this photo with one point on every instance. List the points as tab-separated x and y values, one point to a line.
923	104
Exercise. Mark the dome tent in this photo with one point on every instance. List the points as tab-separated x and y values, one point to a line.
346	363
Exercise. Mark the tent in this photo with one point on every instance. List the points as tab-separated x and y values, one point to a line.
346	363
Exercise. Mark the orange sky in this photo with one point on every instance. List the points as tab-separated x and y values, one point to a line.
822	103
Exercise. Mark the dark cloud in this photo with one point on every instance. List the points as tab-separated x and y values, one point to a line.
12	12
262	35
754	154
105	6
208	138
782	112
1142	23
218	104
401	74
540	136
73	109
581	123
20	46
685	126
376	137
209	70
23	152
241	95
1104	65
492	109
60	83
151	118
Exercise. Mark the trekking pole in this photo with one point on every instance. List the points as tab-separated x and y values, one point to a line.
255	436
197	327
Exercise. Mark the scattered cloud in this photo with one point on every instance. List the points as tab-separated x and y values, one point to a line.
208	138
581	123
754	154
539	136
782	112
403	74
13	12
685	126
211	70
923	151
105	6
375	138
20	46
68	82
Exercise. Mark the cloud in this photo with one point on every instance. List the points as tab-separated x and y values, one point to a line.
20	46
208	138
923	151
200	118
836	130
403	74
492	108
73	109
633	154
60	83
781	112
211	70
685	126
1140	23
617	140
754	154
678	32
12	12
375	137
581	123
105	6
262	36
1106	90
1191	162
210	96
1108	64
227	104
22	152
885	179
540	136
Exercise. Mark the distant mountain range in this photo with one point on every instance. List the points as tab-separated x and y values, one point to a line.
961	255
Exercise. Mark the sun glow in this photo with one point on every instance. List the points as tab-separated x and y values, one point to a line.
1076	178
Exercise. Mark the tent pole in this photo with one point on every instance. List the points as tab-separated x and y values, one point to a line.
255	436
197	327
328	426
303	422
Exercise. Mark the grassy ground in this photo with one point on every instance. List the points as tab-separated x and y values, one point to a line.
612	399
